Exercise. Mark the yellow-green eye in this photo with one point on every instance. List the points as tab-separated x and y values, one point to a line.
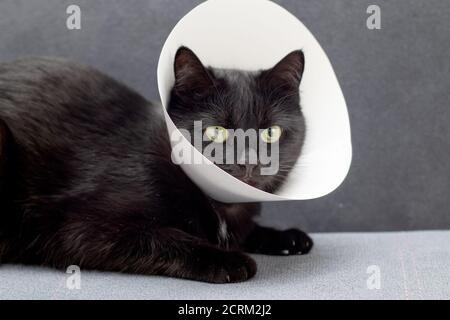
216	134
271	135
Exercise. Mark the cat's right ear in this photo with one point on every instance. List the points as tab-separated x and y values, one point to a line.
286	74
191	77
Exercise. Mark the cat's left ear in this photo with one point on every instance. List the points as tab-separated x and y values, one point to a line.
288	73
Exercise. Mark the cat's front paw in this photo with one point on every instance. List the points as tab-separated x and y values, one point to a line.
275	242
234	267
293	241
219	266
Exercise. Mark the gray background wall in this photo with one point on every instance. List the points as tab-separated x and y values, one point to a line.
396	82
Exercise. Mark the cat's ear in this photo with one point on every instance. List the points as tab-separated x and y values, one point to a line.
286	74
191	77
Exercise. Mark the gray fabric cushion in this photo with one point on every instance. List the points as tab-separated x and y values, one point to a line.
412	265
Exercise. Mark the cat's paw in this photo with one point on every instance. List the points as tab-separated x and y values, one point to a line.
275	242
229	267
293	241
234	267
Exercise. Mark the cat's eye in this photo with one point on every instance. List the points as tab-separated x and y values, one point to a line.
271	135
216	134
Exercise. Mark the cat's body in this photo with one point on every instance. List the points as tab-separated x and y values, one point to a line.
86	179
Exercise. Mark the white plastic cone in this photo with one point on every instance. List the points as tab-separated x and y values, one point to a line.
255	35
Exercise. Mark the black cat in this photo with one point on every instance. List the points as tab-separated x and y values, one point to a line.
86	176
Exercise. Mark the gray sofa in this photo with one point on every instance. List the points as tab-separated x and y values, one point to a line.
395	81
413	265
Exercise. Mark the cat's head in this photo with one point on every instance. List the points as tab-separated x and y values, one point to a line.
264	103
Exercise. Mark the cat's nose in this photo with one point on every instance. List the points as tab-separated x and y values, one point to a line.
249	168
248	157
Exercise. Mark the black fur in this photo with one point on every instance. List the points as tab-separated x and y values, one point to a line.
86	176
